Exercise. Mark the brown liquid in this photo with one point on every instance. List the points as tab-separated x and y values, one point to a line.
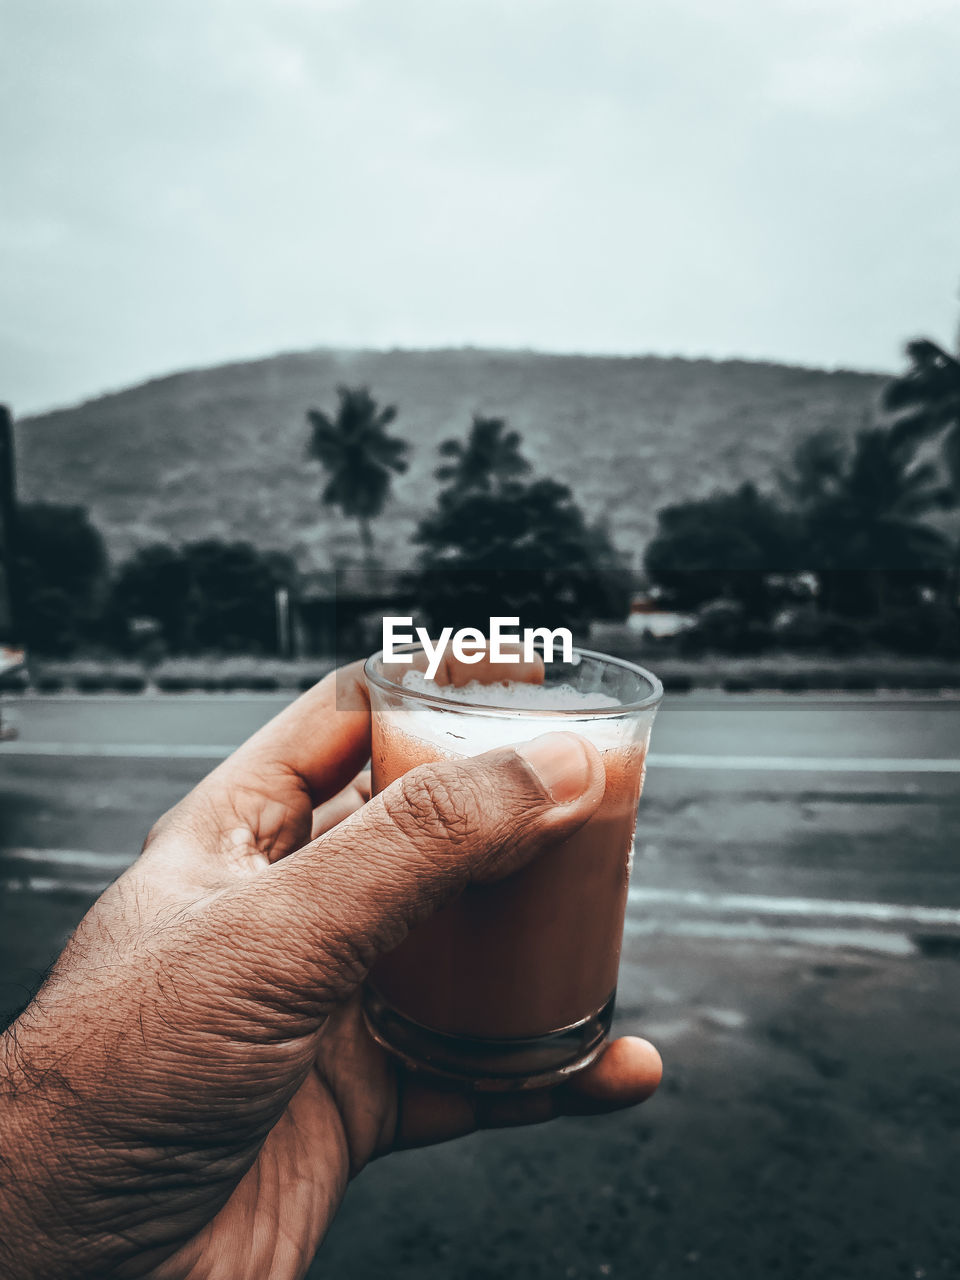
530	954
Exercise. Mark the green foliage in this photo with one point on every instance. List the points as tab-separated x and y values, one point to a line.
358	455
488	458
841	555
206	595
739	547
498	545
927	400
222	448
156	583
61	576
865	507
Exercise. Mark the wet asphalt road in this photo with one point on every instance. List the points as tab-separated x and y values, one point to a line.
792	946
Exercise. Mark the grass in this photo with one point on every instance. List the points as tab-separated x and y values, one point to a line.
179	675
780	673
808	674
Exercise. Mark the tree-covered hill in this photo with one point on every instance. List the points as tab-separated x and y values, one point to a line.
221	452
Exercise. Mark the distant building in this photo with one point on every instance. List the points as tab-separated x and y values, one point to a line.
340	613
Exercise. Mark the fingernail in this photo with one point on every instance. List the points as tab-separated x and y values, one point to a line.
560	764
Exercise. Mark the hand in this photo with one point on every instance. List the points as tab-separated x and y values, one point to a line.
193	1087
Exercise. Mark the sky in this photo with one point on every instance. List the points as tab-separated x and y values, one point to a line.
196	181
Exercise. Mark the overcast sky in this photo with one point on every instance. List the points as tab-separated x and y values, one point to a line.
191	181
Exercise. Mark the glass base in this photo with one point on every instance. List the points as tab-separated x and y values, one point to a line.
488	1065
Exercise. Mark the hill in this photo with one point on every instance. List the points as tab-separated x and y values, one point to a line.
221	452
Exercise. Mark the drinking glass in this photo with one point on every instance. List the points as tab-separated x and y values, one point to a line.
512	985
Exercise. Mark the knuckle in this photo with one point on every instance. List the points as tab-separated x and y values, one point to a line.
429	803
157	830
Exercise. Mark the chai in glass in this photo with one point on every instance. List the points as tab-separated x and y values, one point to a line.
512	985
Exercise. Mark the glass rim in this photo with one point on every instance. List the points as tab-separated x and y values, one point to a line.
650	702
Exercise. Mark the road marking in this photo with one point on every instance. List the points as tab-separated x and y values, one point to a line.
809	908
875	940
656	760
92	858
690	900
121	750
807	764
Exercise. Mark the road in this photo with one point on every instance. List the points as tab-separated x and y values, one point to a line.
811	810
792	944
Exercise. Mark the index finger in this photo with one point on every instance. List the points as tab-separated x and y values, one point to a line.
322	739
260	801
456	671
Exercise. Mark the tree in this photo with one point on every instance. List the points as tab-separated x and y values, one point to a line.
863	510
740	547
848	521
499	545
8	625
489	457
155	583
205	596
359	456
927	401
61	576
871	513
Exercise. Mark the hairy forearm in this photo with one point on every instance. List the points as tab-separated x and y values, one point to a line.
76	1197
102	1174
29	1198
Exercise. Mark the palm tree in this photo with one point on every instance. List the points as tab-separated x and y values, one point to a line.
927	401
864	509
360	458
887	494
489	459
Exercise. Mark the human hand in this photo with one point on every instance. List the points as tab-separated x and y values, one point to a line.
193	1087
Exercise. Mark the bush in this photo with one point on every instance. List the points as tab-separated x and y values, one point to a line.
725	627
926	629
738	684
250	682
129	682
199	596
177	682
307	679
795	681
933	681
677	682
106	677
807	630
48	681
859	681
91	681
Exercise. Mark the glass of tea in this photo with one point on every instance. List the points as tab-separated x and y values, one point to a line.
512	985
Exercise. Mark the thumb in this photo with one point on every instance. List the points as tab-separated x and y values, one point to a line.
353	894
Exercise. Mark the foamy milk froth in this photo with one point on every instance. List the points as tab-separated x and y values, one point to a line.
463	732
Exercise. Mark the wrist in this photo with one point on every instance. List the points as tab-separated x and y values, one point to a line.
28	1184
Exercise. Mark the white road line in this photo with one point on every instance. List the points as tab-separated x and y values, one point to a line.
875	940
49	884
695	901
92	858
120	750
809	908
807	764
746	764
